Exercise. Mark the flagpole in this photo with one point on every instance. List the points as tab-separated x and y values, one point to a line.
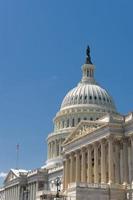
17	156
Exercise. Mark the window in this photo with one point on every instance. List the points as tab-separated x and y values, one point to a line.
73	122
40	185
68	123
91	119
90	97
99	97
62	124
87	73
78	120
85	97
95	97
85	118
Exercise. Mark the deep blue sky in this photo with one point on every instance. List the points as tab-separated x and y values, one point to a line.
42	48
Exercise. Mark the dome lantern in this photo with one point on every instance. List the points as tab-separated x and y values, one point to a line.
88	69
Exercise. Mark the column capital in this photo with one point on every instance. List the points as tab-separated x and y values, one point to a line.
103	141
72	153
83	149
110	138
89	146
124	140
67	156
77	151
96	144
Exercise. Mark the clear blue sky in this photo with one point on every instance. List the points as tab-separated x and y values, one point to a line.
42	48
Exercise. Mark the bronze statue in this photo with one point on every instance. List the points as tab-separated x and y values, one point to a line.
88	57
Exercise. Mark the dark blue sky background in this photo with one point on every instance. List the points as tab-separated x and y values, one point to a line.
42	48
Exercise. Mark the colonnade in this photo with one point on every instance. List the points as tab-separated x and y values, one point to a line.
109	160
54	148
32	191
12	193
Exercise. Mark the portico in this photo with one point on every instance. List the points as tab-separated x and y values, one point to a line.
103	161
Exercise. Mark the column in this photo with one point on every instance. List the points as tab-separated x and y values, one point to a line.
48	153
67	179
49	150
72	167
78	166
121	163
55	149
125	160
64	174
117	162
52	149
83	165
110	160
96	163
60	143
89	160
103	162
132	158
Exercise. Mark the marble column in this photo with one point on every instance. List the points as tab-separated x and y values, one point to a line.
125	160
89	160
64	174
48	153
117	162
96	176
110	160
121	162
132	158
55	149
83	165
67	177
103	162
78	164
60	143
52	154
72	167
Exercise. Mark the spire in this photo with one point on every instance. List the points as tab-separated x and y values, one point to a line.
88	57
88	69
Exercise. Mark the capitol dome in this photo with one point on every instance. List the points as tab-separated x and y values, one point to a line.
87	101
88	94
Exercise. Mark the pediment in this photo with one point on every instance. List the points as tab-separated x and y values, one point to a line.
10	176
84	128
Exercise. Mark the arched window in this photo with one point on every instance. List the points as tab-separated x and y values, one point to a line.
85	118
91	119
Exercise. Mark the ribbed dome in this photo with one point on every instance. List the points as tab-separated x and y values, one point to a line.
88	93
91	95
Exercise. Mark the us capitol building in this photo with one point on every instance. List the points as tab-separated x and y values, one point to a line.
90	150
